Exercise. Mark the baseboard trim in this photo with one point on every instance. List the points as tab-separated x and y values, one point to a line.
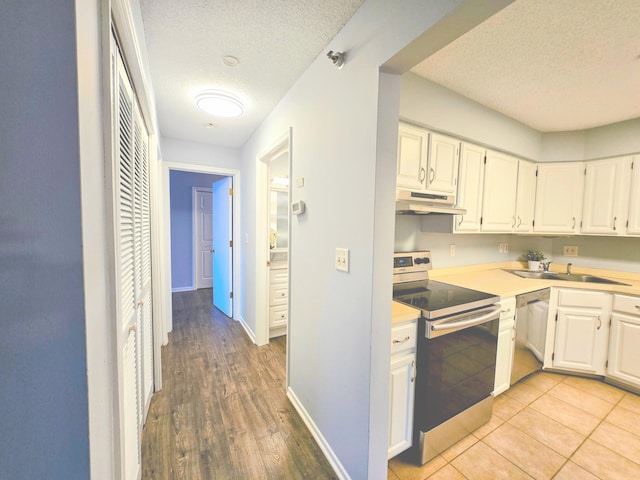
250	333
182	289
331	457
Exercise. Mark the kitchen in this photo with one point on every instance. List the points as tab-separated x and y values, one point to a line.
475	260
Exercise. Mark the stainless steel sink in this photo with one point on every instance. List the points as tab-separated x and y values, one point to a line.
572	277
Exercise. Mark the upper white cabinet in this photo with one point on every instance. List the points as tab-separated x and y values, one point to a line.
471	179
499	196
606	193
413	144
442	175
633	224
525	196
427	162
559	197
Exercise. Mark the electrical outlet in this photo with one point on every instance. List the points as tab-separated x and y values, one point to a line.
501	248
342	259
506	247
570	250
452	250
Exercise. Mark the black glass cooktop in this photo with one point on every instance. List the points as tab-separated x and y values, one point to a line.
437	299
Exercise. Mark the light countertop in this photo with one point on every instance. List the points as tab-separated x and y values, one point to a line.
403	313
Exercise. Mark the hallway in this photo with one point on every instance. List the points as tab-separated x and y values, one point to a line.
222	412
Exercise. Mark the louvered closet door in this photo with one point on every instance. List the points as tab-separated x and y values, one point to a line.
125	243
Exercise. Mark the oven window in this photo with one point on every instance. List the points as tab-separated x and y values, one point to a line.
454	372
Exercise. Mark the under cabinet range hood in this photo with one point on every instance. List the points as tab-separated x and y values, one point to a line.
420	203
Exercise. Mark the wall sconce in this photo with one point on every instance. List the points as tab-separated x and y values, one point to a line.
337	58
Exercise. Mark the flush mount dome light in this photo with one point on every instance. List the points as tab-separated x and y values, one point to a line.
220	104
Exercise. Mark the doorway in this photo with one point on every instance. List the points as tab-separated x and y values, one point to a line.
180	274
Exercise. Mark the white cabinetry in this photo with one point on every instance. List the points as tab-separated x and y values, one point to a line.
471	179
427	162
633	224
402	386
499	196
506	337
582	331
412	157
525	196
559	197
278	301
624	342
606	194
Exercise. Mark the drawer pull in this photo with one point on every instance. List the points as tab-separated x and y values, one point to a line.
505	310
599	323
638	307
403	340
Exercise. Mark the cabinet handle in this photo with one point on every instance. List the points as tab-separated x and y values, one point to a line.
513	225
505	310
614	223
599	323
519	221
638	307
573	227
413	371
423	175
403	340
432	175
461	219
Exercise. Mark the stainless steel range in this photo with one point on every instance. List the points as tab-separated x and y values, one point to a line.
456	354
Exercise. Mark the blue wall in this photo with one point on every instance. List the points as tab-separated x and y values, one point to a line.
181	194
43	368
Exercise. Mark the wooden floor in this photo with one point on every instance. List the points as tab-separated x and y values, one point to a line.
223	412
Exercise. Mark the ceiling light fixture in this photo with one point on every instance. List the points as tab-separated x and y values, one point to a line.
220	104
337	58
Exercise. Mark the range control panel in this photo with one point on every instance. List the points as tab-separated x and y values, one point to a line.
409	262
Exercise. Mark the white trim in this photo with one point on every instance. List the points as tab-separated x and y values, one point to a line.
244	324
167	167
330	455
195	229
183	289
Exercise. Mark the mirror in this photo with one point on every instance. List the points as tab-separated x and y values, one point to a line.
278	219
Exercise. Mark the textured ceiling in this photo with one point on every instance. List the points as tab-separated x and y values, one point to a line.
275	41
554	65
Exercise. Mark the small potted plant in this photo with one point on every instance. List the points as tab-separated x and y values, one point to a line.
533	257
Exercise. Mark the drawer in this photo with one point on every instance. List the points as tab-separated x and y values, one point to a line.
582	298
403	338
279	294
626	304
278	316
279	275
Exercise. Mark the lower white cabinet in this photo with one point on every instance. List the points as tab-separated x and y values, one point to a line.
581	331
278	300
402	386
506	342
624	342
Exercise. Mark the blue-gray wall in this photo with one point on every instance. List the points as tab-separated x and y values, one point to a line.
181	195
43	377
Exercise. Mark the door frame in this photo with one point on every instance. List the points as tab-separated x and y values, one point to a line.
262	240
195	229
167	167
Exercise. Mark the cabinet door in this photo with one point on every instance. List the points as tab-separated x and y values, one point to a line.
525	196
401	392
624	349
581	340
559	197
506	337
606	192
499	196
633	227
412	157
471	179
442	175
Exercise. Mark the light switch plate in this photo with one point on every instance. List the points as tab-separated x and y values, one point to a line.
342	259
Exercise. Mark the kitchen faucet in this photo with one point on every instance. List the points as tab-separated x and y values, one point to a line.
545	266
568	268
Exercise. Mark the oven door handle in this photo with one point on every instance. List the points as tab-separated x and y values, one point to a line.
457	325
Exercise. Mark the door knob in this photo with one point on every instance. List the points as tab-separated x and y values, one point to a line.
213	250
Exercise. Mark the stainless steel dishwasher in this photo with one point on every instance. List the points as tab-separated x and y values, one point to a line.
531	330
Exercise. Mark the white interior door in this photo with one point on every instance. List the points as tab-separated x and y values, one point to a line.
203	239
222	208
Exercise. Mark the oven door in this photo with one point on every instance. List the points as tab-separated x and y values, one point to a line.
455	370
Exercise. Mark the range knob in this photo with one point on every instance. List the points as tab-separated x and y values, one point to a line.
424	260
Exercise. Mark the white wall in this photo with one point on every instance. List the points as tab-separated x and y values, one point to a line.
180	151
430	105
344	142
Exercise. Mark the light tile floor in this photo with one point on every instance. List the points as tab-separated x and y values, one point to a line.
547	426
